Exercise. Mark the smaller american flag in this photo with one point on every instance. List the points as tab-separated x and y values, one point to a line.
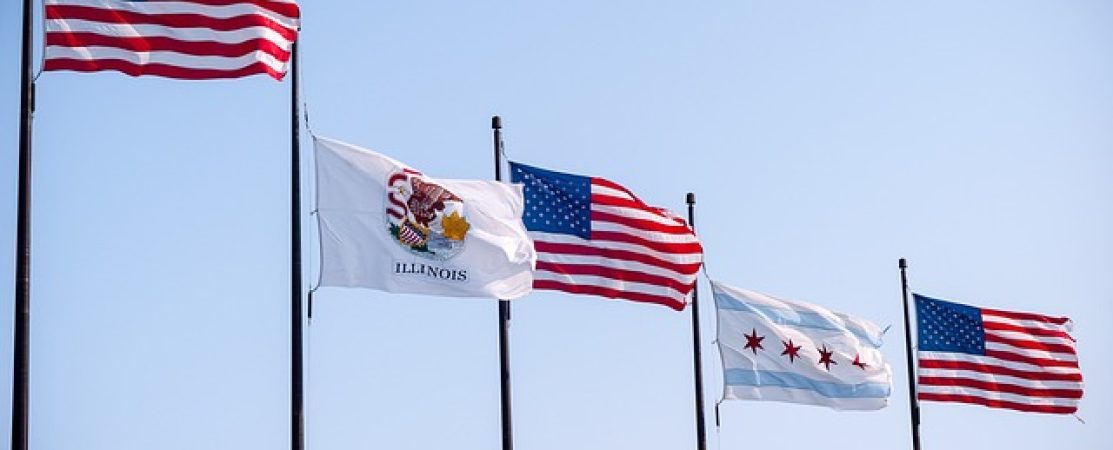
1000	359
595	237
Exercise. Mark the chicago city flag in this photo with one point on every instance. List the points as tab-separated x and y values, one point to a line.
788	351
386	226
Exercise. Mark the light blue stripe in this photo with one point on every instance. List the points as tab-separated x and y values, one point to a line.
794	318
763	378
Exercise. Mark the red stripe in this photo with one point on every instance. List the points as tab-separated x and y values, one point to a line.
585	250
615	274
641	224
667	247
634	203
610	200
286	9
618	187
1042	362
1001	387
159	43
994	326
1031	345
998	370
68	12
161	70
670	302
1049	409
679	220
1025	316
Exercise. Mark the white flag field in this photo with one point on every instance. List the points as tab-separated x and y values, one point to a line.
796	352
384	225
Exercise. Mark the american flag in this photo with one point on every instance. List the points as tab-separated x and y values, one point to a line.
1000	359
595	237
187	39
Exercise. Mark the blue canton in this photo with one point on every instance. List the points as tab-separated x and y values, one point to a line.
555	202
949	327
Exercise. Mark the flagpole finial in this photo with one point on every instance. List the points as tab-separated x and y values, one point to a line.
496	122
691	198
902	264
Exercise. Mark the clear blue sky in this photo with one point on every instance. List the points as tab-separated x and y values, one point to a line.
824	140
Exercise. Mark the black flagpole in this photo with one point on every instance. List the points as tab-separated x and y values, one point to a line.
913	402
697	359
297	407
504	318
21	342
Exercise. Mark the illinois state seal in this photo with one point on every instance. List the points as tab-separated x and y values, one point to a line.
424	217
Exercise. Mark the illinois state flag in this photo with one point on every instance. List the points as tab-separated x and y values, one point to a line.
789	351
384	225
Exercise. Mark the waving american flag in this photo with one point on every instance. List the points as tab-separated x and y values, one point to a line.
185	39
595	237
1000	359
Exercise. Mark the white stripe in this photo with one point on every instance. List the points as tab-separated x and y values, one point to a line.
1028	353
802	396
555	238
181	34
635	213
735	355
628	286
1029	337
1004	379
168	58
947	356
994	395
616	264
875	332
1032	324
655	236
609	191
735	325
1034	353
153	8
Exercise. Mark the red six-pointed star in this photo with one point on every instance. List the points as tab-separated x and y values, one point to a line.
753	341
859	363
793	351
825	357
